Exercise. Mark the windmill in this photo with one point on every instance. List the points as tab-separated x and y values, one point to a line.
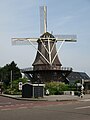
46	66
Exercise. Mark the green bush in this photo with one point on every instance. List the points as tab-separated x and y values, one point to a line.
56	88
15	87
72	87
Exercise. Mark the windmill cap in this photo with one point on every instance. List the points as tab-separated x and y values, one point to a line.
47	35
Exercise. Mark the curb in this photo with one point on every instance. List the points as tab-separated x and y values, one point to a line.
24	99
38	99
66	100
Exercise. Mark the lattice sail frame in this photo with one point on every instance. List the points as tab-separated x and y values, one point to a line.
43	29
33	42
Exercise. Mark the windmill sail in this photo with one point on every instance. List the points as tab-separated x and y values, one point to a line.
43	19
66	38
24	41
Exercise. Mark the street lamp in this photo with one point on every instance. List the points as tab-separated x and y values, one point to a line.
38	77
11	79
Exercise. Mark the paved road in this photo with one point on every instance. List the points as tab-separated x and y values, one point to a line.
11	109
12	104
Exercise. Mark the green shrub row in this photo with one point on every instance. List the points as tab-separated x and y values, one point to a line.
57	88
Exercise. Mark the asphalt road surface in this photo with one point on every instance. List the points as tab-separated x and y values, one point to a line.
11	109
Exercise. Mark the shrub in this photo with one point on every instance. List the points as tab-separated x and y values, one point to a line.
15	87
56	88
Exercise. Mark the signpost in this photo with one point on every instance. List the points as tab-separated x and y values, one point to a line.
82	87
20	85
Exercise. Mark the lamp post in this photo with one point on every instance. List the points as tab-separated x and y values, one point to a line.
38	77
11	79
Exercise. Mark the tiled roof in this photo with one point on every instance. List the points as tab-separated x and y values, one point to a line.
73	76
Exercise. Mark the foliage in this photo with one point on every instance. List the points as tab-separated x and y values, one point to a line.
15	86
56	88
5	73
77	81
11	72
72	87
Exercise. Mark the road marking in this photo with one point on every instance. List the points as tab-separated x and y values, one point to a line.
85	107
5	109
5	103
85	100
16	106
22	107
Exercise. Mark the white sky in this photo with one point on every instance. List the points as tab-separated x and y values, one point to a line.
20	18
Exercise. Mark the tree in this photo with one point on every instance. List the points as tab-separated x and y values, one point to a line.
5	73
15	71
